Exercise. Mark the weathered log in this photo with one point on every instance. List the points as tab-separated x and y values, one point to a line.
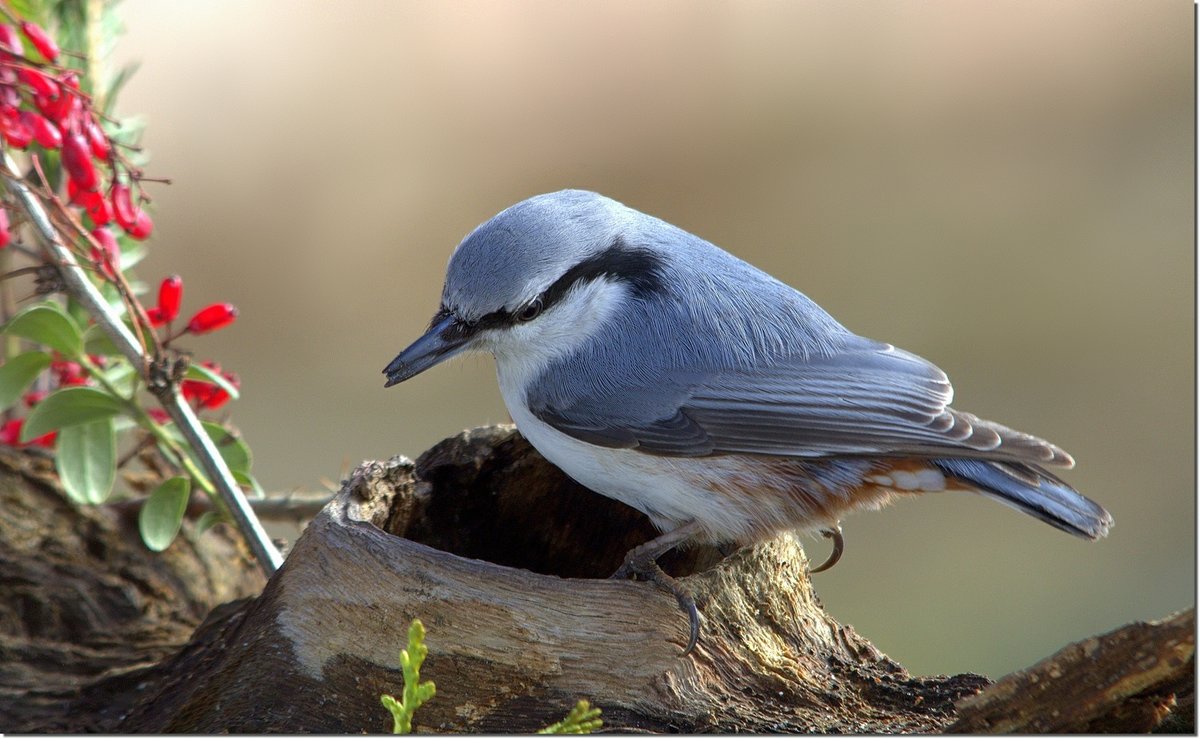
1126	681
86	611
505	560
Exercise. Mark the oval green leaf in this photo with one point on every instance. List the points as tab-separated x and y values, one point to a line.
95	341
47	324
69	406
207	520
162	513
18	373
246	479
233	449
87	460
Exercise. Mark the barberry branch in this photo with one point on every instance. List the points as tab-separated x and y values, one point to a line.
168	394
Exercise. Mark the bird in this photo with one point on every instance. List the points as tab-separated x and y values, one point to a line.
658	369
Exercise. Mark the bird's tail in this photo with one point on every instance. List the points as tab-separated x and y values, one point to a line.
1034	491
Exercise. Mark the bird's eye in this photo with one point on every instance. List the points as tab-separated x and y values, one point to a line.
531	311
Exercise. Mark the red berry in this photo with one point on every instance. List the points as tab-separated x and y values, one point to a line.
77	160
156	316
10	97
68	373
15	131
44	132
108	256
207	394
85	198
33	397
108	242
10	40
100	212
142	226
5	234
61	109
170	295
96	138
41	84
212	317
40	40
122	205
10	432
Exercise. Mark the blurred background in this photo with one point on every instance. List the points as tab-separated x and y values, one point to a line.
1005	188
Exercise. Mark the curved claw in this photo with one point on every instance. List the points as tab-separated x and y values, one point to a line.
649	570
686	602
839	545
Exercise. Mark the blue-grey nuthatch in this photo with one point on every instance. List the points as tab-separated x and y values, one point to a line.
658	369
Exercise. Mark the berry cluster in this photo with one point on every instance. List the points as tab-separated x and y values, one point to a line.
41	103
89	400
206	320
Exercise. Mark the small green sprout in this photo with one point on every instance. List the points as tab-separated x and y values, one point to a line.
415	691
583	719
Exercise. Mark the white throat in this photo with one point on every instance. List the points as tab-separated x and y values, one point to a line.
525	350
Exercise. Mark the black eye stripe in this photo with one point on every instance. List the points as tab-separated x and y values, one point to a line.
641	269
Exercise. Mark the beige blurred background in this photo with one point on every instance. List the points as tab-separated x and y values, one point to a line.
1002	187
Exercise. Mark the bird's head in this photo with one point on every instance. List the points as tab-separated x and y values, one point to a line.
535	281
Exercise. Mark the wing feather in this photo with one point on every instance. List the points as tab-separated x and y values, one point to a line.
867	399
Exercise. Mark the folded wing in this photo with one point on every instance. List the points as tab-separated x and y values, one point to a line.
868	398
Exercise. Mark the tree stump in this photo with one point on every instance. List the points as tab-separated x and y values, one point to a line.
506	562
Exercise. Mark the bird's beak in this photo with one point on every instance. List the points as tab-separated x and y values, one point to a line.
445	338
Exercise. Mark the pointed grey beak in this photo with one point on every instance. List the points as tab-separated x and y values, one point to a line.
445	338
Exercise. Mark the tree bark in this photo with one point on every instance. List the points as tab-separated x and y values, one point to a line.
86	612
506	560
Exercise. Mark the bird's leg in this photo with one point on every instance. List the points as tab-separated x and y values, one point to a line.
642	562
839	545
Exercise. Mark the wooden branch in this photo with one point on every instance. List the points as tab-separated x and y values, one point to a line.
1125	681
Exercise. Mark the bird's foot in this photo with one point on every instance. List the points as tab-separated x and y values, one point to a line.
642	563
839	545
643	568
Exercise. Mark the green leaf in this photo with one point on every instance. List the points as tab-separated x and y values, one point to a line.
162	513
69	406
200	372
233	449
30	10
87	460
47	324
122	377
18	373
207	520
132	252
95	341
247	479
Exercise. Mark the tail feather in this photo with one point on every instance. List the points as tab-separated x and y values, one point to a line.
1045	497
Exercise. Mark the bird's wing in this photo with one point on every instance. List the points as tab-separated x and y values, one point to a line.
867	399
